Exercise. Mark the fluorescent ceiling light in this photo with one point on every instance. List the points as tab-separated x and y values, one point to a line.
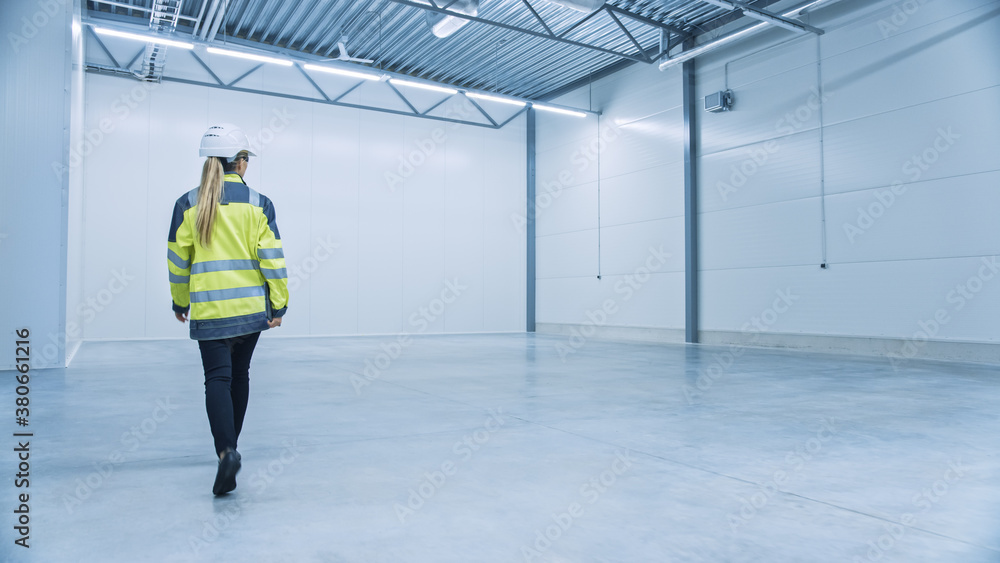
518	103
251	56
343	72
690	54
144	38
422	85
559	110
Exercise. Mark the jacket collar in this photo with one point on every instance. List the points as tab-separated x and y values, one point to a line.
234	177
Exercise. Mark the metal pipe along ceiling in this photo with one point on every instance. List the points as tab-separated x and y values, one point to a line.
729	38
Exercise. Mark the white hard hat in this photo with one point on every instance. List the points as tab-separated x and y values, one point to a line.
224	140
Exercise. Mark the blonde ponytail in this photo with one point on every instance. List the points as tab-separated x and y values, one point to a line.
209	196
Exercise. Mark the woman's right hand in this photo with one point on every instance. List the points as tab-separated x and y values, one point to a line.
274	323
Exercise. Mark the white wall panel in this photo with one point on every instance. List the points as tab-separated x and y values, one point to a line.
567	255
637	147
116	175
35	101
774	234
763	172
650	142
335	220
554	130
380	251
856	24
463	242
627	248
657	302
74	216
877	299
759	64
566	165
504	236
889	97
566	300
566	210
645	195
930	141
925	64
636	93
933	219
285	141
889	94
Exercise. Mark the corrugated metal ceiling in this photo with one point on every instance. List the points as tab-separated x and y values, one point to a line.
479	55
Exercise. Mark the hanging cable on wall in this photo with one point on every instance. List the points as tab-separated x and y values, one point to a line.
590	105
822	156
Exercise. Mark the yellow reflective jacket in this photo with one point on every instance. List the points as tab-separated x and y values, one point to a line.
238	283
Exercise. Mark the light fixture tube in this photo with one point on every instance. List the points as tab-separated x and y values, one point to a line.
489	98
559	110
250	56
144	38
422	85
343	72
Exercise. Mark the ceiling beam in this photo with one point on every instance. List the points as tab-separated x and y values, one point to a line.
636	58
765	16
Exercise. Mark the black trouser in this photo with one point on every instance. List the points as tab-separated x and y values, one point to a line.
227	385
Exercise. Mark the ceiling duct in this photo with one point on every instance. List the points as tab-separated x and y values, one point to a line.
443	25
585	6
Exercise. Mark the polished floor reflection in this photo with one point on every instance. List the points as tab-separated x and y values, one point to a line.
514	448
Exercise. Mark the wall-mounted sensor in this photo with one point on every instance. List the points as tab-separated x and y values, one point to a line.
719	101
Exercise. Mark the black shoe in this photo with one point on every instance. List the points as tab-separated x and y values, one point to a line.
225	477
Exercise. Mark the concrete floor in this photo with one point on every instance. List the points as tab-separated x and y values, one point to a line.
492	448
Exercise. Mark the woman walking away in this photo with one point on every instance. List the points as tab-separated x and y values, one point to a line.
227	266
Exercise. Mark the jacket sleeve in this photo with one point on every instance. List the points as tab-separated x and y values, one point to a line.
180	247
272	260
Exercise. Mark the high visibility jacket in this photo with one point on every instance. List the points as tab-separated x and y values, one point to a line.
237	283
